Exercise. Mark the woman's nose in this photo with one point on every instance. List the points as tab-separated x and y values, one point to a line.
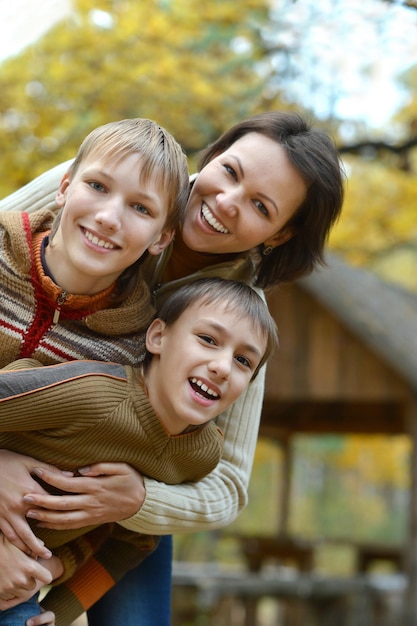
228	202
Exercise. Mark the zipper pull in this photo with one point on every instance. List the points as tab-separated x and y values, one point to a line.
60	301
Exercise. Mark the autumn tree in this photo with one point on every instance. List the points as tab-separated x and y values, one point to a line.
189	65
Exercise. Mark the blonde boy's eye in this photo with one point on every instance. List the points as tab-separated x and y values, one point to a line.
97	186
139	208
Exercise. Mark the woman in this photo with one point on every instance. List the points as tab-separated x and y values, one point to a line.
268	192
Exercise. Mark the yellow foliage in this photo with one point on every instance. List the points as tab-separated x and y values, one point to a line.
175	62
379	218
376	460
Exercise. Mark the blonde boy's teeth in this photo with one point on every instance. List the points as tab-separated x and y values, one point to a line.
98	242
209	217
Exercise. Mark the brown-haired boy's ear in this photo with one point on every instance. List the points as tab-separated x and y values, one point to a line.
154	336
60	195
281	237
162	242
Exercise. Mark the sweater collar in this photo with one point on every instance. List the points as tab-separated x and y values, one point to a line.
68	301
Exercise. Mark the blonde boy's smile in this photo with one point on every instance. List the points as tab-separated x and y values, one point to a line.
101	243
110	217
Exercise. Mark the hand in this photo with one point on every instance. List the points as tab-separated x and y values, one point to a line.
46	618
20	575
106	492
16	480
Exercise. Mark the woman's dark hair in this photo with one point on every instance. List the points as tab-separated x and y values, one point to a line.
314	155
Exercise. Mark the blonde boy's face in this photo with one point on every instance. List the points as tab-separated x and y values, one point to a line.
201	363
110	218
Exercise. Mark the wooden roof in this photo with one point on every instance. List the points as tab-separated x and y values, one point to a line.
382	314
348	355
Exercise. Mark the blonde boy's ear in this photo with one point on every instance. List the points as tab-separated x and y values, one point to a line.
162	242
60	195
155	335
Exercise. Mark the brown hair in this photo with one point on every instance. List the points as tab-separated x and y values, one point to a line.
314	155
240	298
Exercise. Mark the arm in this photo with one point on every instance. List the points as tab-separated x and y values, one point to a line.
211	503
216	500
38	194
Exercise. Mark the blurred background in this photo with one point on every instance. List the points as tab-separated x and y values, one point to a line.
349	65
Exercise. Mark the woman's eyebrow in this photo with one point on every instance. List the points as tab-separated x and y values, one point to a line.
242	173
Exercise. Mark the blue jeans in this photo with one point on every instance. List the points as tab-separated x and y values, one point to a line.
142	597
18	615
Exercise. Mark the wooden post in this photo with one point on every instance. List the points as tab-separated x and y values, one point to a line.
410	604
287	460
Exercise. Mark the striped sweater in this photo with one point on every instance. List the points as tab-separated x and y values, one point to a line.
81	412
29	302
87	328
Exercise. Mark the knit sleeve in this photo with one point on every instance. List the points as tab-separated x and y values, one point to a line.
38	194
216	500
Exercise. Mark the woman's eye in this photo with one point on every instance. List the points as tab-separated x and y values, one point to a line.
230	170
261	208
97	186
141	209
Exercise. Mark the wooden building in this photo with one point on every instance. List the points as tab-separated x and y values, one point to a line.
347	364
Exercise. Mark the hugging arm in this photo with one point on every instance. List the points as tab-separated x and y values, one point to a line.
38	194
215	501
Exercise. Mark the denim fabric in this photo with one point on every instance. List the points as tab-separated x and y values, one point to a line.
142	597
18	615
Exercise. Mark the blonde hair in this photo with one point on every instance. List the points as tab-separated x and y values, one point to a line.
161	156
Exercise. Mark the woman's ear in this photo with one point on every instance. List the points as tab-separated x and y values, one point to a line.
280	238
162	242
60	195
155	335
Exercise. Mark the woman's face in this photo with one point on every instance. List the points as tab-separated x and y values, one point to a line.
244	197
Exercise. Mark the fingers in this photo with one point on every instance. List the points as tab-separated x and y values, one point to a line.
23	538
62	480
105	469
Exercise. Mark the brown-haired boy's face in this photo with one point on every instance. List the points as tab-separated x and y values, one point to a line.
109	219
201	363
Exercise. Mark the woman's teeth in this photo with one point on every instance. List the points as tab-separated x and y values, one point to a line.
209	217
